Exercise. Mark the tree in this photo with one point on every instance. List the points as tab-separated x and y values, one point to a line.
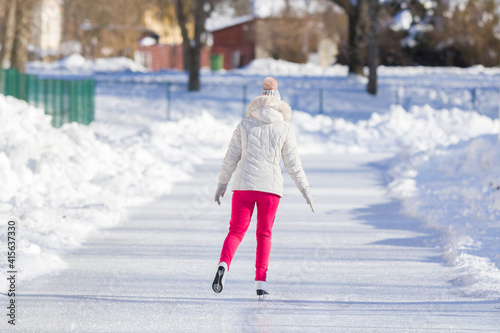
465	35
373	54
17	34
363	35
3	15
194	14
24	14
9	35
297	31
440	33
104	28
283	37
359	21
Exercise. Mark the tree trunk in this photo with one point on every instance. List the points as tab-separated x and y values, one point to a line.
199	12
373	54
10	33
182	22
354	58
23	34
194	68
358	37
3	12
359	18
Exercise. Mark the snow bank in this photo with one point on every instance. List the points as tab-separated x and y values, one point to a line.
419	129
478	71
442	177
279	67
62	184
76	64
456	189
48	184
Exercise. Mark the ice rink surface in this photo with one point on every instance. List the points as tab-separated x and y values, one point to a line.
356	265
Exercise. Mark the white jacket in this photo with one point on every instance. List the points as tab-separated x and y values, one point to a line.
258	144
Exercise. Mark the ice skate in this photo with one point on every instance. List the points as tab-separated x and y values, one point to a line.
262	289
220	278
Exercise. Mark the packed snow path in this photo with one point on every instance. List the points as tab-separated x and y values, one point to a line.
354	265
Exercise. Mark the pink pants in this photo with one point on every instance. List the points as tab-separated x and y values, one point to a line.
241	213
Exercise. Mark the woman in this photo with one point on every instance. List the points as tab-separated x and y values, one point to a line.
256	148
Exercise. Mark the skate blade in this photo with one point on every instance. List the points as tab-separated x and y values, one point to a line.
262	293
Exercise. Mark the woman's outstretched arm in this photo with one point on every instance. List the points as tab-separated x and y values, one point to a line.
293	165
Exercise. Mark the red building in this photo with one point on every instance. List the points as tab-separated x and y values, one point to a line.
236	42
161	56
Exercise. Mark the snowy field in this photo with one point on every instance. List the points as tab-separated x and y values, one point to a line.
438	125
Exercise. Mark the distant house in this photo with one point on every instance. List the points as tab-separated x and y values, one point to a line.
160	46
245	38
239	40
157	57
235	41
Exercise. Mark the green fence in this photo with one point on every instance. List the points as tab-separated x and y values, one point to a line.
65	100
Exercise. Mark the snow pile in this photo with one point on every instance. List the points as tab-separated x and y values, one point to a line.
451	185
218	22
62	184
477	73
118	64
148	41
457	190
269	66
278	67
420	129
76	63
48	184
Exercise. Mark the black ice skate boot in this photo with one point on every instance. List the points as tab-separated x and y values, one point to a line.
220	278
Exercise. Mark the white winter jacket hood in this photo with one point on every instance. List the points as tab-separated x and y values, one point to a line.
259	143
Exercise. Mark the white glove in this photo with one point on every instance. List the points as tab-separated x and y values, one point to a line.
309	199
221	190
